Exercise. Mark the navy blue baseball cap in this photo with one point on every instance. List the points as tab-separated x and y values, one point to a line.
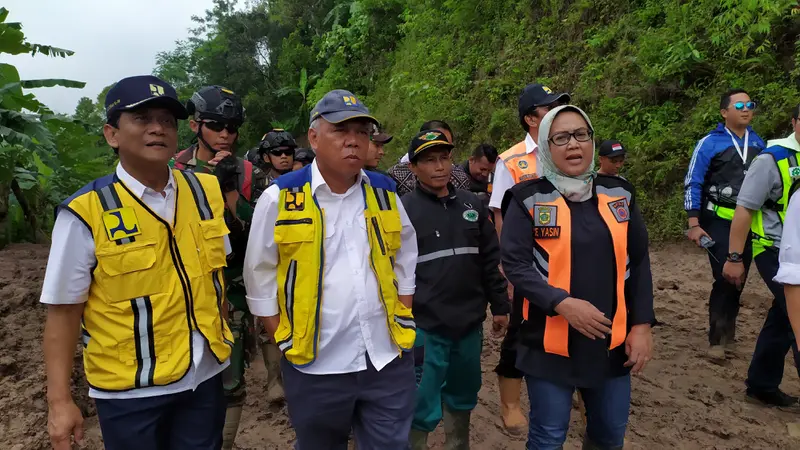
534	95
134	92
339	106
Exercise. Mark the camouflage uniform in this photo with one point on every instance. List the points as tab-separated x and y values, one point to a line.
239	318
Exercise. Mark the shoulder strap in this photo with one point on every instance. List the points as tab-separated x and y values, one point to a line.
200	199
246	178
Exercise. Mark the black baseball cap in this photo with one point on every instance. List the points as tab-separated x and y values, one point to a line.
425	140
339	106
538	95
611	148
380	136
134	92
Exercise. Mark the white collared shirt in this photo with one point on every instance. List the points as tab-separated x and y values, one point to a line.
69	275
789	255
503	180
353	320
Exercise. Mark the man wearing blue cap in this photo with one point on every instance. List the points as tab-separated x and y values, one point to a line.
135	270
329	270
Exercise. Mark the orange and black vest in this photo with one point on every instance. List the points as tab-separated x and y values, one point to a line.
553	252
520	164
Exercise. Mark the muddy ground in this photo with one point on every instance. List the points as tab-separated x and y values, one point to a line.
682	401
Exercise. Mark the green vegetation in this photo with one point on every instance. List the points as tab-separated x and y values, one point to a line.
649	72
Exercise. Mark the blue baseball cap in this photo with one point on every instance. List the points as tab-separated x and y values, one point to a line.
338	106
134	92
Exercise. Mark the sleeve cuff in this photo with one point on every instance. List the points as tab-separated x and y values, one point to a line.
49	299
501	309
788	273
558	298
263	307
406	286
743	202
693	212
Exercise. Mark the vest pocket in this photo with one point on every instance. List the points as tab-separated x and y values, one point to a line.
212	243
129	268
391	225
292	235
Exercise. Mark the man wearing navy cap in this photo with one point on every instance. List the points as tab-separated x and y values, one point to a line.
612	157
135	270
329	270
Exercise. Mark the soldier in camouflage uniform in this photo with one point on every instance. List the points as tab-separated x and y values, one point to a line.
216	114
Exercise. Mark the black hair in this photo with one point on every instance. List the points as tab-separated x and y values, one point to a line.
437	125
796	112
725	100
487	150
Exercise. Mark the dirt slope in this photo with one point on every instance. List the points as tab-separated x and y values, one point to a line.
682	401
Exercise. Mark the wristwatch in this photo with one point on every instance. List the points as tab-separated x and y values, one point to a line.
735	257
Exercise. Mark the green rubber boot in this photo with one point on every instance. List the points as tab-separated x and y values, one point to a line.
456	429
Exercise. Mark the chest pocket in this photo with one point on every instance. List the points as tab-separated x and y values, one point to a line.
211	243
292	231
391	228
130	268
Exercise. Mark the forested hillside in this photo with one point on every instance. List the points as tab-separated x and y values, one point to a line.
649	72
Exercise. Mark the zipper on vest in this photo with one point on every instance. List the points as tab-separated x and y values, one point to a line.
293	222
378	235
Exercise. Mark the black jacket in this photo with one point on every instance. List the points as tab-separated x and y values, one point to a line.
592	279
457	268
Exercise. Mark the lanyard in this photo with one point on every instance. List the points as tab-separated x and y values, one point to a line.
736	144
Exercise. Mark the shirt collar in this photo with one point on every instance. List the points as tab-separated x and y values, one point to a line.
317	180
137	187
530	145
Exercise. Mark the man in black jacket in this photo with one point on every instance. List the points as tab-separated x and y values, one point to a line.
457	273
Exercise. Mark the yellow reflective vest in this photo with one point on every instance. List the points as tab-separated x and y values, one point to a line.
155	282
299	235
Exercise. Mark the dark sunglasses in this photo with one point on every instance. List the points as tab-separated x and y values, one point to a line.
217	127
282	152
742	105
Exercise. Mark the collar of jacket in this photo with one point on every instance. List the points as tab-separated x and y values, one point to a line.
451	193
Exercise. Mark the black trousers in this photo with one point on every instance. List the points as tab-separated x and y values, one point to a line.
723	303
507	366
776	336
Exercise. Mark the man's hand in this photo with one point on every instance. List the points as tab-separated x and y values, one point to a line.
499	325
64	420
639	347
219	156
271	325
584	317
734	273
695	233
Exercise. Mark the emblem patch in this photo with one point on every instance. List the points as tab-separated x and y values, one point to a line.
295	201
430	136
470	215
522	164
121	223
545	222
794	172
620	210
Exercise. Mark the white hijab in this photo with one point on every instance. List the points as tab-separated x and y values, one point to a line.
578	188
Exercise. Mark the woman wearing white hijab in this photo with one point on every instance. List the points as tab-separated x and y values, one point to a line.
574	245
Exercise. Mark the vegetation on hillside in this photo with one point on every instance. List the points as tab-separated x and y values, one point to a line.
649	72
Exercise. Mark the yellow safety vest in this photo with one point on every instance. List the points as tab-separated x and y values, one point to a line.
300	234
154	282
786	159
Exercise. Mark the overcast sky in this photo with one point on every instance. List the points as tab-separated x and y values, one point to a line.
112	39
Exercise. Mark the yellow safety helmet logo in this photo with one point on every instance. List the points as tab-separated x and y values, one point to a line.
121	223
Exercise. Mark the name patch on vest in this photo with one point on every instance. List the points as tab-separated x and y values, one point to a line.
121	223
620	210
295	201
544	221
526	177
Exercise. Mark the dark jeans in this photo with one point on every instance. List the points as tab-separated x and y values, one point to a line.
607	409
189	420
507	366
377	406
723	303
776	336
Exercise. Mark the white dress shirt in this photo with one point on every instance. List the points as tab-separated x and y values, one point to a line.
789	256
353	319
69	275
503	180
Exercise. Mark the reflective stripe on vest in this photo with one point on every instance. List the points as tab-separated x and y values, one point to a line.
520	164
553	256
786	166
